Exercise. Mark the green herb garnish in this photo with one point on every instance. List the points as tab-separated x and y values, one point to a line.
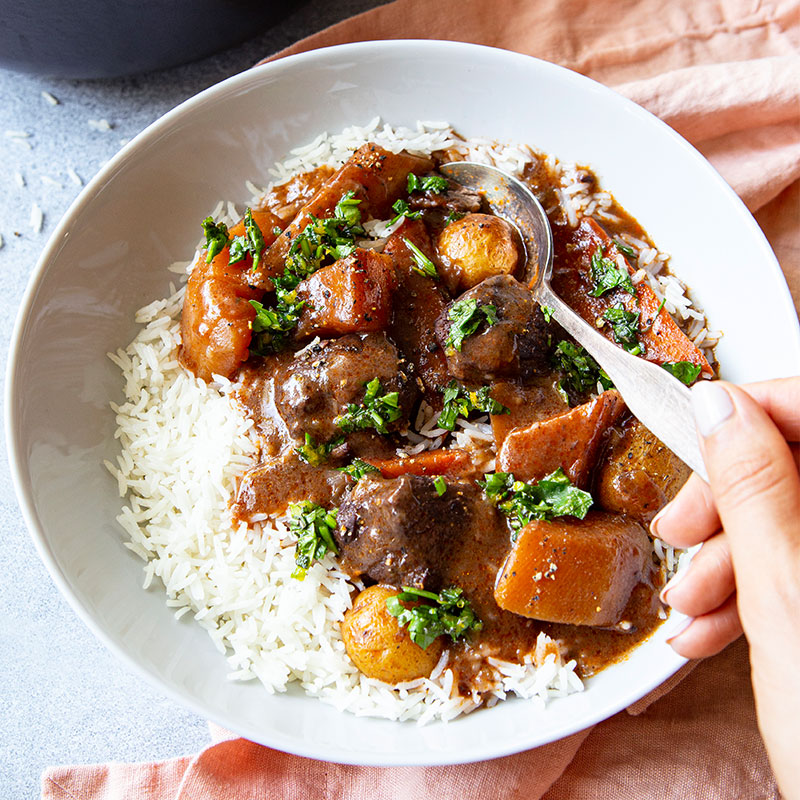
684	371
320	242
466	317
460	402
440	484
252	242
452	614
347	210
607	276
316	454
553	496
271	325
357	469
547	312
402	210
581	372
376	411
625	249
323	241
423	264
625	328
454	216
430	183
216	237
313	526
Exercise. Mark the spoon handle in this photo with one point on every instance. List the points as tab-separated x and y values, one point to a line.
659	400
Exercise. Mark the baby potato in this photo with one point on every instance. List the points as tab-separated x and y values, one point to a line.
379	646
476	247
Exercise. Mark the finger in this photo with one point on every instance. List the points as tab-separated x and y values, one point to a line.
706	583
781	400
707	635
690	518
754	481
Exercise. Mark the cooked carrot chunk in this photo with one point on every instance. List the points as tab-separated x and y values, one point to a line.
376	176
570	441
525	404
574	571
433	462
658	333
217	315
352	295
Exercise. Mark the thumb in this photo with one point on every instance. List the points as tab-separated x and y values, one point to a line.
755	484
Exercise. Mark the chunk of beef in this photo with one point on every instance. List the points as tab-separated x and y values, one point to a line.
638	473
418	303
305	393
515	346
574	571
402	532
571	441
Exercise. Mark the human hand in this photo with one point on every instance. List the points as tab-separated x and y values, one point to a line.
747	572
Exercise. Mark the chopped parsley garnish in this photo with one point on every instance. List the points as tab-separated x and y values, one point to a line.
607	275
454	216
451	614
347	210
684	371
313	526
326	240
376	411
216	237
357	469
461	402
625	328
547	313
553	496
271	325
625	249
581	372
321	241
316	454
422	263
440	484
402	210
251	243
466	317
430	183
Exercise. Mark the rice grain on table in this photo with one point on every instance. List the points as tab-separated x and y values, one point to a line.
37	218
185	444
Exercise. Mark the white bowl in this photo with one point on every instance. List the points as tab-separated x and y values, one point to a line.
142	211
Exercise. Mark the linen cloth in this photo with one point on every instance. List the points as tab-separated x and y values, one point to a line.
726	75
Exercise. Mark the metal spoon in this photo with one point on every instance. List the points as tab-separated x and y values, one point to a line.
659	400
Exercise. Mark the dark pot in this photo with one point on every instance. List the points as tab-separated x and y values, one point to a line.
110	38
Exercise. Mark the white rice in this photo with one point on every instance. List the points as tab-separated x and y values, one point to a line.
185	445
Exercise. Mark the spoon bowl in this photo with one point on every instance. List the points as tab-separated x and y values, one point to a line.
659	400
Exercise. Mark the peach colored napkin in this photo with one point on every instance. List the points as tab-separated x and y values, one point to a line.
726	75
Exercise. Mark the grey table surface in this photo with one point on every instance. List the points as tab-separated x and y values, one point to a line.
65	699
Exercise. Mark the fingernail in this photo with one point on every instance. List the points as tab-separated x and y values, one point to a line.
680	628
712	406
656	521
671	584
